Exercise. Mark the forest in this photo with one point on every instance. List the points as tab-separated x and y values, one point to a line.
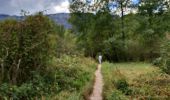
42	60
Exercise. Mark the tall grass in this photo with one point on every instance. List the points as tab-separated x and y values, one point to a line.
126	81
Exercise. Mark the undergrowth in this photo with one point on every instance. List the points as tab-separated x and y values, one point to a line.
68	78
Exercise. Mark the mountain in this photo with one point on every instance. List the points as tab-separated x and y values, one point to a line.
60	18
4	16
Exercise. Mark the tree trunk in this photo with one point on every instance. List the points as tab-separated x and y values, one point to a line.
122	26
2	66
16	72
2	71
122	22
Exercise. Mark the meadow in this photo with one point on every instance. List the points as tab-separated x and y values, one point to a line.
136	80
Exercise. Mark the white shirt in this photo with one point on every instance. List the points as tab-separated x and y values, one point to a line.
100	57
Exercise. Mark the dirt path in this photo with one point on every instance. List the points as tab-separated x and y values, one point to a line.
98	85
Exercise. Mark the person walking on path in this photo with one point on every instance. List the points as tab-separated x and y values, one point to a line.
100	59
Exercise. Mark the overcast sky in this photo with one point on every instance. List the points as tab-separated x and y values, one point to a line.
13	7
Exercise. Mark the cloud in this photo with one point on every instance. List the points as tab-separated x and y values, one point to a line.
13	7
64	7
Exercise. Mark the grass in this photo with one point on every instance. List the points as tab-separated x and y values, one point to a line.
77	75
144	82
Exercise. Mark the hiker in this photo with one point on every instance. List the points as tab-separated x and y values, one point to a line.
100	58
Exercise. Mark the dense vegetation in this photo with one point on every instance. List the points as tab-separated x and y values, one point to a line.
139	36
39	60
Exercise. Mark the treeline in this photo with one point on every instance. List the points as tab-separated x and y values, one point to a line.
39	59
136	36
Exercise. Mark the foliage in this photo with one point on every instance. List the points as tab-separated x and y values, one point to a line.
39	60
25	47
66	44
123	86
73	75
90	30
129	37
67	75
116	95
36	88
165	63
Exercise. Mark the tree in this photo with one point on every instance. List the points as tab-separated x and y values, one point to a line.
151	8
87	6
25	47
152	13
122	5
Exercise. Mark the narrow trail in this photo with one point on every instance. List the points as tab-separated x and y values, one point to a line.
98	85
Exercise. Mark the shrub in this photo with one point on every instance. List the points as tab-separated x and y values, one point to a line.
71	74
116	95
165	64
123	86
36	88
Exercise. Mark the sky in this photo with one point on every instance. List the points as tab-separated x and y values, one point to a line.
135	1
13	7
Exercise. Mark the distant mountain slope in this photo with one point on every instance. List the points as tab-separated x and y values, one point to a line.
4	16
60	18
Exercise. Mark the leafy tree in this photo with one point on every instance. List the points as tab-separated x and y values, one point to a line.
25	47
151	18
92	29
116	33
122	5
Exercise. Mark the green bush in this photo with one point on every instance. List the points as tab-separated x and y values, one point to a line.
116	95
16	92
166	67
38	87
165	64
123	86
71	74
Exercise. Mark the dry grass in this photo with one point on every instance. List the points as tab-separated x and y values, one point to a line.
145	81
